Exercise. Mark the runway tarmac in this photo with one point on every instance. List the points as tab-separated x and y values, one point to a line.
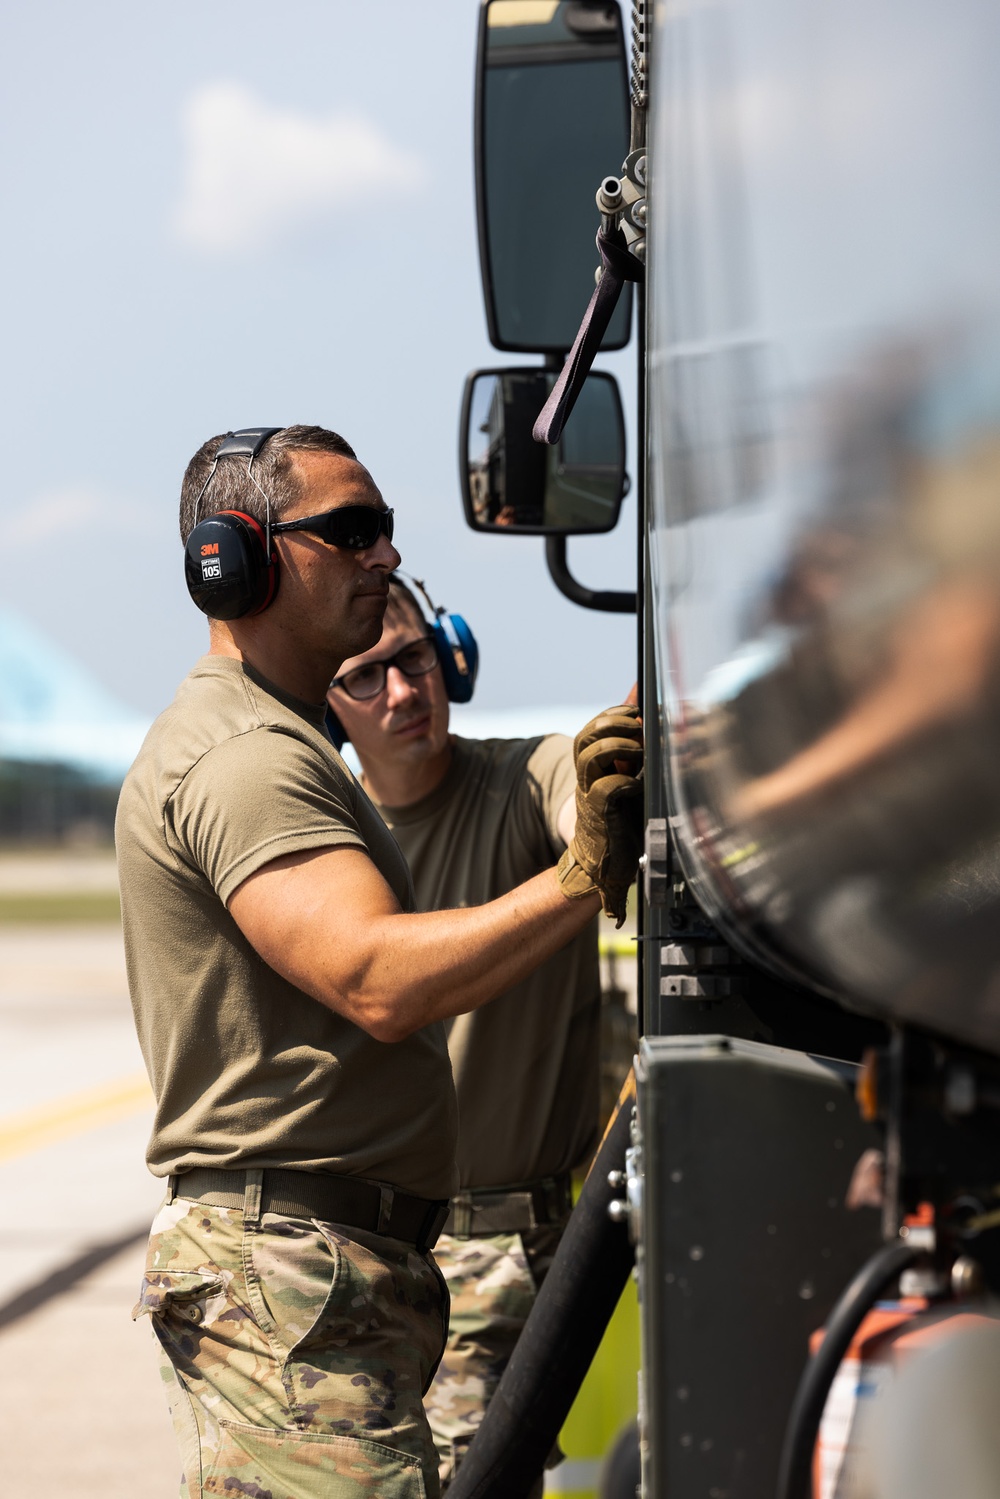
79	1388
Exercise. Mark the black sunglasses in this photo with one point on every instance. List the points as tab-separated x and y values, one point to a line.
353	527
415	659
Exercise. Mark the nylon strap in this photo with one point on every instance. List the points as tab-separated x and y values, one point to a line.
617	267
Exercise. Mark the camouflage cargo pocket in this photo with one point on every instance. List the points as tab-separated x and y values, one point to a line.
186	1292
290	1273
359	1324
255	1461
193	1267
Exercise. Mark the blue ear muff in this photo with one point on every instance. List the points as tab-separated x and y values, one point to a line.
458	654
335	729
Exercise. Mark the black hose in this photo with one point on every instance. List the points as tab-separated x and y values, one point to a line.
795	1469
562	1334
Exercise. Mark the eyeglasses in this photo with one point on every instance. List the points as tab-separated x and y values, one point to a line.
365	682
355	528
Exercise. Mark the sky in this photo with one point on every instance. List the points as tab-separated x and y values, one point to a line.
225	214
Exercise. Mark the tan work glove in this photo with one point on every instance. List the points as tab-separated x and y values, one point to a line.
603	853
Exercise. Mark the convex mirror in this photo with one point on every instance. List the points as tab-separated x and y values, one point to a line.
552	119
510	483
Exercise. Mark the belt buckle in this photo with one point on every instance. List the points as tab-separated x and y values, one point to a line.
430	1229
385	1200
551	1201
462	1210
503	1212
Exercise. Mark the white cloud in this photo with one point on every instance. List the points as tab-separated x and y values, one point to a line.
255	174
71	510
56	512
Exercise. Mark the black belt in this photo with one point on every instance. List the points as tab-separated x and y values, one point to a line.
351	1201
481	1211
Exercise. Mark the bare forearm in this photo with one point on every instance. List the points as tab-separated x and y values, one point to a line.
331	926
430	967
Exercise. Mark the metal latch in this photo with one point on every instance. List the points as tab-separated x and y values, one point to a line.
655	862
699	970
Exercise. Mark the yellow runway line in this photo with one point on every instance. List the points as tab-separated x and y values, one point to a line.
31	1129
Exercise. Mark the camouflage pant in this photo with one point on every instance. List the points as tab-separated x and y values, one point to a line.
493	1283
294	1357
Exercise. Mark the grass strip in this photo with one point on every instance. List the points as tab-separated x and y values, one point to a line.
76	905
617	945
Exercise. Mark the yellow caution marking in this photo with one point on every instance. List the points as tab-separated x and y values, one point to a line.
34	1128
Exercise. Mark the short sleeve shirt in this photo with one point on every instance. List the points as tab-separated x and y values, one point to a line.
247	1069
527	1065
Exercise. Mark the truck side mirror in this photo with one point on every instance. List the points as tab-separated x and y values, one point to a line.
510	483
552	119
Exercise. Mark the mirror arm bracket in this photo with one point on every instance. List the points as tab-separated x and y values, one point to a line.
589	598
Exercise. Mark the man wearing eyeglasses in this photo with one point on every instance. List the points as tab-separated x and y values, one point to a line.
475	819
290	1002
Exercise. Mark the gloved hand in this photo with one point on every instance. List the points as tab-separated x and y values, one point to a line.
603	853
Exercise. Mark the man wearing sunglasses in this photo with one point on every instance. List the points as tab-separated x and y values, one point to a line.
290	1002
475	819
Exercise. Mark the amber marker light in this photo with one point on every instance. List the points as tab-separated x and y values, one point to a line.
866	1087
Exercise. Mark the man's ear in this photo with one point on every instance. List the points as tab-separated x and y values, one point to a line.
335	729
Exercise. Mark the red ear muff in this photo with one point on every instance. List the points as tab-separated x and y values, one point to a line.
227	568
270	560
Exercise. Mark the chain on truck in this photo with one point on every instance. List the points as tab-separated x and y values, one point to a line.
797	226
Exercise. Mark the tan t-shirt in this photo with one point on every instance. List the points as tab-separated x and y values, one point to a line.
248	1070
526	1066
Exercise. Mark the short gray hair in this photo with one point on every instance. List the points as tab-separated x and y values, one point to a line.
232	488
